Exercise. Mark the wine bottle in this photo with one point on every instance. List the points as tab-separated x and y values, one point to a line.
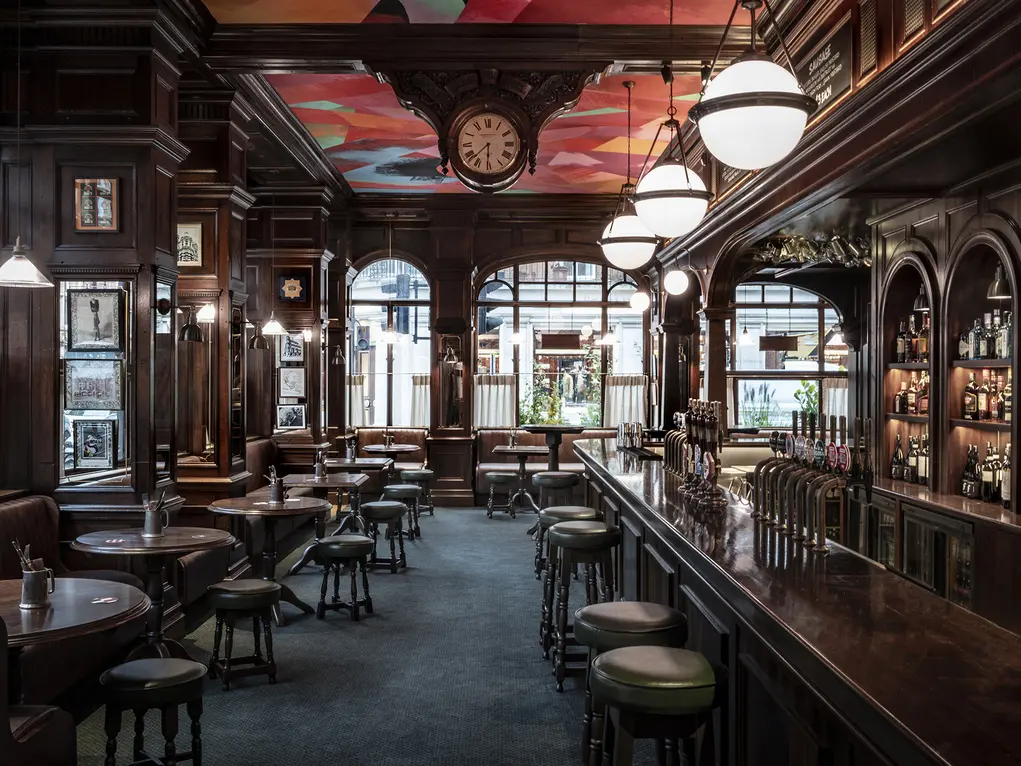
988	475
897	463
983	397
923	341
975	338
970	410
969	479
900	400
1007	395
901	350
923	394
1005	492
963	347
911	464
923	461
911	344
911	405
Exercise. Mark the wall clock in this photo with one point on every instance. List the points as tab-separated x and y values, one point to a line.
486	147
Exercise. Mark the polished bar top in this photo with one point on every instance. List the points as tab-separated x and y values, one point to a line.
956	505
948	678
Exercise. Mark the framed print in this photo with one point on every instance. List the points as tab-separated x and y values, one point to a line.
293	287
95	320
292	382
95	204
95	443
93	384
189	244
292	348
290	416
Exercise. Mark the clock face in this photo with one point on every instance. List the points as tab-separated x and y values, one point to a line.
488	143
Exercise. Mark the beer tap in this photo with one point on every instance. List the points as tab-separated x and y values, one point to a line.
835	482
807	493
766	482
796	483
775	448
800	462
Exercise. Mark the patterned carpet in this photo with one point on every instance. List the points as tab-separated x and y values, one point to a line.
447	671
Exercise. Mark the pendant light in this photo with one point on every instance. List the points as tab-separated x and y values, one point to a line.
191	332
671	199
998	290
746	337
18	270
272	326
754	112
627	243
921	301
640	300
837	339
259	342
675	282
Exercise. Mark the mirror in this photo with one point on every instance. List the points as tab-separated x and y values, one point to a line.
451	379
196	381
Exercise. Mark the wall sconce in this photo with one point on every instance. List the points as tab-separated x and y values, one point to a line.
191	332
307	334
207	314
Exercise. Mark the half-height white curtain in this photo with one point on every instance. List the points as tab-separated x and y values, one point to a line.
834	398
494	401
624	400
356	401
420	400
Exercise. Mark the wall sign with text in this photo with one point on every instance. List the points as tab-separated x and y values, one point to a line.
826	73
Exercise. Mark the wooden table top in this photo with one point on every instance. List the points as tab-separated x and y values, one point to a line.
330	481
129	542
253	506
521	450
360	463
553	428
394	448
78	607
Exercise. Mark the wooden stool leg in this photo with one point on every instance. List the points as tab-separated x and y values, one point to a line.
195	714
138	746
321	606
591	593
563	594
217	637
418	510
257	637
540	534
353	566
392	529
336	580
365	587
112	725
375	537
228	651
609	738
671	755
492	498
606	569
267	631
169	716
623	747
549	589
400	543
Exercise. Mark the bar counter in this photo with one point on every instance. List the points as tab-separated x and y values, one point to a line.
832	658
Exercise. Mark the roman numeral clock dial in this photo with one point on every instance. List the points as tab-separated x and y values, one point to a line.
488	144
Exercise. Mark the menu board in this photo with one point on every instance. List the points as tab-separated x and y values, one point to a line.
826	73
726	177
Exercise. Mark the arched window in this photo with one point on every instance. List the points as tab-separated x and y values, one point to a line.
555	340
389	359
786	352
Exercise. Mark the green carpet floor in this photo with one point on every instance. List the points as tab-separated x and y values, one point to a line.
448	670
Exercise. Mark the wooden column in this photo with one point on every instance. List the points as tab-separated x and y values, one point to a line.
717	320
677	328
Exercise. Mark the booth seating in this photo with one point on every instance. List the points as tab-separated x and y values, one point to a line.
50	669
366	435
33	734
488	438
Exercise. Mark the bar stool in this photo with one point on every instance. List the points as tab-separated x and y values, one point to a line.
612	625
238	599
423	478
335	552
555	485
656	692
391	513
410	495
142	685
500	479
550	516
577	542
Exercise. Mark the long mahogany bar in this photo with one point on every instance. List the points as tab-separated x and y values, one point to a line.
831	659
952	505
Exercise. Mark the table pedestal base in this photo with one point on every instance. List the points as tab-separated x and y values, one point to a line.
164	648
287	596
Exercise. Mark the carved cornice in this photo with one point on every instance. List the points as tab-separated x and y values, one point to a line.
202	191
502	208
206	104
103	135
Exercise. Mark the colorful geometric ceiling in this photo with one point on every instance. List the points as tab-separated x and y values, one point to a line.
468	11
380	147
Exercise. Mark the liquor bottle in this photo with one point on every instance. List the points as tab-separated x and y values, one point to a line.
901	350
969	479
988	474
997	335
963	347
994	399
1008	334
983	397
992	335
911	347
976	339
897	464
1005	492
911	465
923	461
900	400
911	406
923	394
970	411
923	341
1005	410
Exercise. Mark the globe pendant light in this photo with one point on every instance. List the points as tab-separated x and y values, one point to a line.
640	300
754	113
675	282
627	243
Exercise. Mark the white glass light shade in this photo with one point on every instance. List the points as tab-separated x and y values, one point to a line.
607	340
19	271
307	335
675	282
627	243
756	126
746	338
515	338
666	214
273	327
207	314
586	331
640	301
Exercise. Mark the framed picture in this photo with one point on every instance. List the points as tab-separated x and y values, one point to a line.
189	244
93	384
290	416
293	287
292	382
95	443
292	348
95	204
95	320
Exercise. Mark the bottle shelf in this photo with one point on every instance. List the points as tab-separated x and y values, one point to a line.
982	364
980	425
907	366
908	418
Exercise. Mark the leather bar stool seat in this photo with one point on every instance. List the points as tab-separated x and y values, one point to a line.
584	535
656	692
555	487
500	479
410	494
417	474
154	683
612	625
423	477
554	515
391	513
234	600
336	552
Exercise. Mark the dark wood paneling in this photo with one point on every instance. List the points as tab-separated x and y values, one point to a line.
451	459
630	583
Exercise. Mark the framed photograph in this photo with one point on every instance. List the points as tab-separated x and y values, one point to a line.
95	204
189	244
93	384
95	443
292	382
95	320
290	416
293	287
292	348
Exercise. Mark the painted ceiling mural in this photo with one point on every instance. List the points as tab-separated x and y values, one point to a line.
381	147
468	11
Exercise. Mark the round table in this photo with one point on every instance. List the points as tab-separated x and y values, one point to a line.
554	437
270	512
78	607
391	451
522	452
321	489
157	553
